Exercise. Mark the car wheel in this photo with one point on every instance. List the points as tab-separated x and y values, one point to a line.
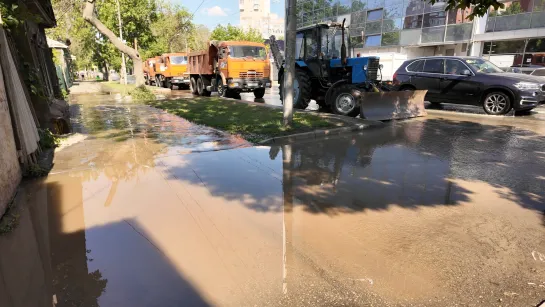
496	103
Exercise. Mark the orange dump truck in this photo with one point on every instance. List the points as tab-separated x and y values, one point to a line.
230	67
171	70
149	70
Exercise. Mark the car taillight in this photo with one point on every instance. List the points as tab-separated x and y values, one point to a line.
395	76
394	79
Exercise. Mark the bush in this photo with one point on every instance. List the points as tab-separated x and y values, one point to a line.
142	94
48	139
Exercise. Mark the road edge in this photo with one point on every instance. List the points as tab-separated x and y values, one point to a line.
322	133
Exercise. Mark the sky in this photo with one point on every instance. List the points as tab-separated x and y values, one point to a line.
213	12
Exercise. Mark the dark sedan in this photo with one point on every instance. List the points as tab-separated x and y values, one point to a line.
470	80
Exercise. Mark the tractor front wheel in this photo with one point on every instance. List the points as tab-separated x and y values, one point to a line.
345	101
301	89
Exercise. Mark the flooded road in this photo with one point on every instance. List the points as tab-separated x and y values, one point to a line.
150	210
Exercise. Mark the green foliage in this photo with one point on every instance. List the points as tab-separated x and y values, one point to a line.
141	93
14	15
48	139
36	171
232	33
480	7
174	32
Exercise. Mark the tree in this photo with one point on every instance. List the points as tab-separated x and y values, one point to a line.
232	33
138	14
480	7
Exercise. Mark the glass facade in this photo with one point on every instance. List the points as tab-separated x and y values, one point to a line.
516	15
375	23
516	53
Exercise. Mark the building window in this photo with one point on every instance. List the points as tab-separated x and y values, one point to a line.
256	7
372	41
413	22
241	2
433	35
434	19
389	25
390	39
374	15
373	27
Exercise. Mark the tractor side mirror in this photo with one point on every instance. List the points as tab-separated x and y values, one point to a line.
466	72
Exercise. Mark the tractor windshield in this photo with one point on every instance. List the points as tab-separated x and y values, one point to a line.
332	42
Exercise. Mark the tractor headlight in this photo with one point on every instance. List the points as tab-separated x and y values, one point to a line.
527	86
233	84
364	67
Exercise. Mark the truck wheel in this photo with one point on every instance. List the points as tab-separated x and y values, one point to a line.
259	93
193	86
201	88
222	91
301	89
345	101
168	84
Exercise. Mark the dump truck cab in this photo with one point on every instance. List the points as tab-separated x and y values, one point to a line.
171	70
243	66
230	67
149	70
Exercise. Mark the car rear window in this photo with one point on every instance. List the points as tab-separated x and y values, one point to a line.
434	66
415	66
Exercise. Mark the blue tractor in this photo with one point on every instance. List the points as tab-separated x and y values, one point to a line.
324	73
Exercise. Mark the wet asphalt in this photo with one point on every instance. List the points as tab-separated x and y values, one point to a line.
147	209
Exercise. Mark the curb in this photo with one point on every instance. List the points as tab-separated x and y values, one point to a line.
320	133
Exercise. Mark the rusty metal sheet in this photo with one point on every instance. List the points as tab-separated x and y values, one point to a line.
392	105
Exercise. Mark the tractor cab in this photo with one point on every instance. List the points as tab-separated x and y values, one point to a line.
317	45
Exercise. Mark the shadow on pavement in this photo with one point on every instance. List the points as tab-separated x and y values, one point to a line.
112	264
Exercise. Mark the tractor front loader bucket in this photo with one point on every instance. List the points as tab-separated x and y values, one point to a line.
392	105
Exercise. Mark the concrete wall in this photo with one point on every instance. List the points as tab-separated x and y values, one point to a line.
10	174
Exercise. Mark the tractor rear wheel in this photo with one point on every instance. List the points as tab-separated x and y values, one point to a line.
345	100
301	89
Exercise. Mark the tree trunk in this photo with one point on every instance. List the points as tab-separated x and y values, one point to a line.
89	16
106	73
289	68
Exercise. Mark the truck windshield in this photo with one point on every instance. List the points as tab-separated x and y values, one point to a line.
484	66
247	51
178	60
332	41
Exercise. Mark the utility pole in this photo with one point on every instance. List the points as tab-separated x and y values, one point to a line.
289	66
123	77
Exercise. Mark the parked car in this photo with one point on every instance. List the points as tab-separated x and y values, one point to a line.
470	80
524	69
540	72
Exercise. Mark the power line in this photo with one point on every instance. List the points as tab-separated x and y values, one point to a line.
198	7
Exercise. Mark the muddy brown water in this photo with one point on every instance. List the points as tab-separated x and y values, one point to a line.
151	210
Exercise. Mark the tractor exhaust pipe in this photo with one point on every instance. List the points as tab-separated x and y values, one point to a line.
343	46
